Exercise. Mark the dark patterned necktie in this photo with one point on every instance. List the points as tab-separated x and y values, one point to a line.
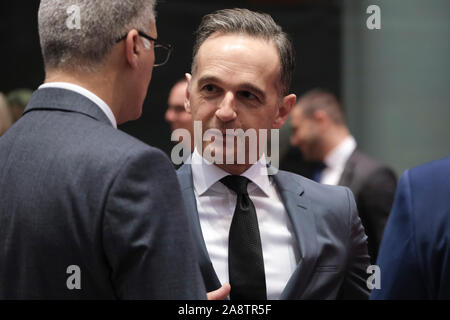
245	257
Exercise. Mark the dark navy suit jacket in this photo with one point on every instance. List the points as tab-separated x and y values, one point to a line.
373	185
414	257
76	191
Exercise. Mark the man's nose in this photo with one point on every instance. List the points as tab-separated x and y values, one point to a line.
226	111
292	141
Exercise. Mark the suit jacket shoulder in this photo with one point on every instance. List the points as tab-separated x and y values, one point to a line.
413	254
89	195
329	203
360	170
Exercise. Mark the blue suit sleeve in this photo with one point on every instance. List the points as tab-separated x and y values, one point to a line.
401	276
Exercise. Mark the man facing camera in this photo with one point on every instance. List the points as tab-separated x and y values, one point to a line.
86	211
277	236
320	131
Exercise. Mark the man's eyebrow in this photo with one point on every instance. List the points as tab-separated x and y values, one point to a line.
252	88
206	79
242	86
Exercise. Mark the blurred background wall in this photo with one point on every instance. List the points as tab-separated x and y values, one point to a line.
394	82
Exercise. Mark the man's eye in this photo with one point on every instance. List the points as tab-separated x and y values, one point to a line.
209	88
248	95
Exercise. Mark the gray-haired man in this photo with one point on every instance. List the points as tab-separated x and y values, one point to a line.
86	211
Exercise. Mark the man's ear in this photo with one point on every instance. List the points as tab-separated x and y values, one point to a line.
187	104
284	110
131	48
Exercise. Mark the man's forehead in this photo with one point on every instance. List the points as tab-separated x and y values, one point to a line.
220	44
238	54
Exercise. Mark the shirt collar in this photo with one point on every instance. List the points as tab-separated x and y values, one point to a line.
340	154
205	174
84	92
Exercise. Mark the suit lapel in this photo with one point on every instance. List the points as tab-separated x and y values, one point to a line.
187	189
347	175
301	214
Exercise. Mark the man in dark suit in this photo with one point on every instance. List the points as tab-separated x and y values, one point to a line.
272	235
319	130
414	253
86	211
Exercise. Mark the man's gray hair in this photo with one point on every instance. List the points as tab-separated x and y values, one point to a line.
84	45
254	24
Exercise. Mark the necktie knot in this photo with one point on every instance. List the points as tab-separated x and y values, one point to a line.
236	183
318	170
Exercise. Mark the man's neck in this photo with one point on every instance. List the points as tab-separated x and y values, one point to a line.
97	83
334	139
234	169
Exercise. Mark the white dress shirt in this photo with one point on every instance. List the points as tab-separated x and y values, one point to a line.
84	92
215	206
336	160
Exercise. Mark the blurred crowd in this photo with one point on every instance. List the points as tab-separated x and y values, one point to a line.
12	106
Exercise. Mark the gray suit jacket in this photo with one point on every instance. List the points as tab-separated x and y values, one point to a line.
373	185
76	191
330	236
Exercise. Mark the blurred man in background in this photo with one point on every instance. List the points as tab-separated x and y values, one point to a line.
319	130
18	100
5	115
177	116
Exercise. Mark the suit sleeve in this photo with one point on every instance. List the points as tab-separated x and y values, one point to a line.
146	237
375	202
401	277
355	286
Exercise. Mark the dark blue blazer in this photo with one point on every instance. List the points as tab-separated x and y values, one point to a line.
414	257
74	191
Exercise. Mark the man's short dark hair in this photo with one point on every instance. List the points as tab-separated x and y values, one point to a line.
321	99
254	24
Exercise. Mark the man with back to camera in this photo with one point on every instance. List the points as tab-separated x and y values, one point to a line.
320	131
86	211
277	236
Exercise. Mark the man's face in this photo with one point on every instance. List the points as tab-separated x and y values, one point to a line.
235	85
176	115
305	135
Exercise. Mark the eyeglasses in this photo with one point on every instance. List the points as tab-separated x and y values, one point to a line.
162	51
